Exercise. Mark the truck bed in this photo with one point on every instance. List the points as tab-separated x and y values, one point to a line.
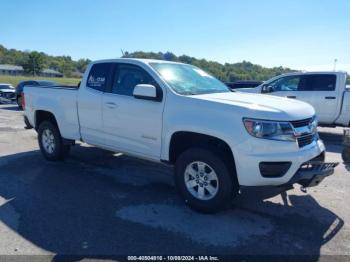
61	101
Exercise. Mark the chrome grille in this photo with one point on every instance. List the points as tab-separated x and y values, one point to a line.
306	140
8	95
301	123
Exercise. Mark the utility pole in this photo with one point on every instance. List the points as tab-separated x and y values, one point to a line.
335	64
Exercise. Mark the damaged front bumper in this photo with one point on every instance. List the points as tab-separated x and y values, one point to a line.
312	173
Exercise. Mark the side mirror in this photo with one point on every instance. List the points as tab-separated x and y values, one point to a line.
266	89
147	92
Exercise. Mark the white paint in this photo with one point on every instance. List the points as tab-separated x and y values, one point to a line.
144	128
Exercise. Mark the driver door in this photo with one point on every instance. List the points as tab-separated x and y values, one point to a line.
289	86
285	86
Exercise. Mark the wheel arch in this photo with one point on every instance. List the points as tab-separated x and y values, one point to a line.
44	115
180	141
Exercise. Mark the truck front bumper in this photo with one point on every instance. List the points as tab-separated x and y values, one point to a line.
312	173
253	158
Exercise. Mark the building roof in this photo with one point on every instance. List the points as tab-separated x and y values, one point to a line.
11	67
51	71
20	68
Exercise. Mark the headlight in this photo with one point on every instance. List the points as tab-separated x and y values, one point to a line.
314	124
266	129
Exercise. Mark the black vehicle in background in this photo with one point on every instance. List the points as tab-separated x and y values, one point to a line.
243	84
22	84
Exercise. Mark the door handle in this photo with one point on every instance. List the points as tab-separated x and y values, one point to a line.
111	105
330	97
291	97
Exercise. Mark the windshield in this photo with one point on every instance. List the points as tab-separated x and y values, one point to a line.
189	80
6	87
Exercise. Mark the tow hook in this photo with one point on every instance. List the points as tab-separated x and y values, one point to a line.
303	189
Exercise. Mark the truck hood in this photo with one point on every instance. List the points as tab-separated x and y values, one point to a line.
263	106
8	90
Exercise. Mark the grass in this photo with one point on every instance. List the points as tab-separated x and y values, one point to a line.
14	80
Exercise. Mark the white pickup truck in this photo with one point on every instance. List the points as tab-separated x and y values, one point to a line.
218	140
325	91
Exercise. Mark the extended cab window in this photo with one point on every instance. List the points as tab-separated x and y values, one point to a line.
127	77
99	76
318	82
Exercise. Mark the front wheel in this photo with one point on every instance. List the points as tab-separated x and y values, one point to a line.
204	181
51	143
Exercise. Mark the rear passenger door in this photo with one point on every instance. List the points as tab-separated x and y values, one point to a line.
90	103
132	125
320	90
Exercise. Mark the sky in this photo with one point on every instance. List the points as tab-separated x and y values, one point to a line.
300	34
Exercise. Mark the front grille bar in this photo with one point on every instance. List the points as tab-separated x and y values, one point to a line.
300	123
318	166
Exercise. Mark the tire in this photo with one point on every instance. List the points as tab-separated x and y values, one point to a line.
189	167
19	102
51	143
27	124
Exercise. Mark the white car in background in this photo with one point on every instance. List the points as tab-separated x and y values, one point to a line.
325	91
7	93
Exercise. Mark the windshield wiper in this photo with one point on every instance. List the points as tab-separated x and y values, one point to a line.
188	93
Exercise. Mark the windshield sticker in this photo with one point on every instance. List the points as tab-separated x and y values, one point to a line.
96	81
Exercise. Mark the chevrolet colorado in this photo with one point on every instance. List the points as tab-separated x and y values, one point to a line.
218	140
325	91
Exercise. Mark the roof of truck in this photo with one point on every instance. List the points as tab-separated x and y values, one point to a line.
141	60
314	72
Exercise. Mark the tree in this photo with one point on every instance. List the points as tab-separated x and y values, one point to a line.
169	56
34	63
225	72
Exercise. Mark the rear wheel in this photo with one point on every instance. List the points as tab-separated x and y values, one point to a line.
51	143
204	181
